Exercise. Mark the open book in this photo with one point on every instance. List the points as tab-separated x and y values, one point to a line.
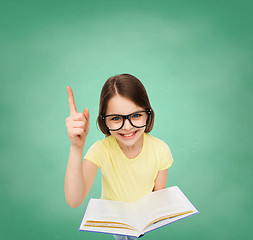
152	211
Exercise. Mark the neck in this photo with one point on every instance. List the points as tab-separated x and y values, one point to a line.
132	151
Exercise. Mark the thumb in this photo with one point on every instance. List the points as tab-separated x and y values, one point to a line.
86	113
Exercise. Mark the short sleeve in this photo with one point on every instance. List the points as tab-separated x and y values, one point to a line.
166	159
95	154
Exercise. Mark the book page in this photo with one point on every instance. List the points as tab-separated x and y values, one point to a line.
162	203
119	231
157	225
167	221
113	212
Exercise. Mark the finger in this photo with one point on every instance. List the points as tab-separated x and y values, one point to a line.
71	100
78	131
78	117
86	113
78	124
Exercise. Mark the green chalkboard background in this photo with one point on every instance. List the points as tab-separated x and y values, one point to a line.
195	60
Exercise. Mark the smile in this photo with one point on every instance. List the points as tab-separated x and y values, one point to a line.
128	135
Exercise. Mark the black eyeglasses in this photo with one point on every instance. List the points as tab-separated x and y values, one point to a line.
114	122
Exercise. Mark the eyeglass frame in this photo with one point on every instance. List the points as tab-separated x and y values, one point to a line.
148	111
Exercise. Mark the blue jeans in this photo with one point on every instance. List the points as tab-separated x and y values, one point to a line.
122	237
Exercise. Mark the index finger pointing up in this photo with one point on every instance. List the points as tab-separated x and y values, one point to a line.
72	105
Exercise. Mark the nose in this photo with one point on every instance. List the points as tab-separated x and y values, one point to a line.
127	125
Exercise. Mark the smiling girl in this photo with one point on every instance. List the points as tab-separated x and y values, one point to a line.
133	163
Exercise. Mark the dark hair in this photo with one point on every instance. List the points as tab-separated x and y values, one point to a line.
127	86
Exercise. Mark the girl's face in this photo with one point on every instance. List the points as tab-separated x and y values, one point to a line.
128	135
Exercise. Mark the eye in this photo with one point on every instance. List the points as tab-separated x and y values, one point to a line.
116	118
136	115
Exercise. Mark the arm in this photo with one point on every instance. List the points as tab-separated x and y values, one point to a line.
79	178
161	179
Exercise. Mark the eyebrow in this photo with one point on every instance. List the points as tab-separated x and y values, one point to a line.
116	114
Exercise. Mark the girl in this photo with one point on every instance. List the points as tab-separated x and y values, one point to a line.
133	163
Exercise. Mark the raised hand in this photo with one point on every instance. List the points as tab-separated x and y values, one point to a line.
78	124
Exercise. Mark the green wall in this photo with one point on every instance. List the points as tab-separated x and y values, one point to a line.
195	60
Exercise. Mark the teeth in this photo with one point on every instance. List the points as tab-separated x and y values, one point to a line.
128	135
